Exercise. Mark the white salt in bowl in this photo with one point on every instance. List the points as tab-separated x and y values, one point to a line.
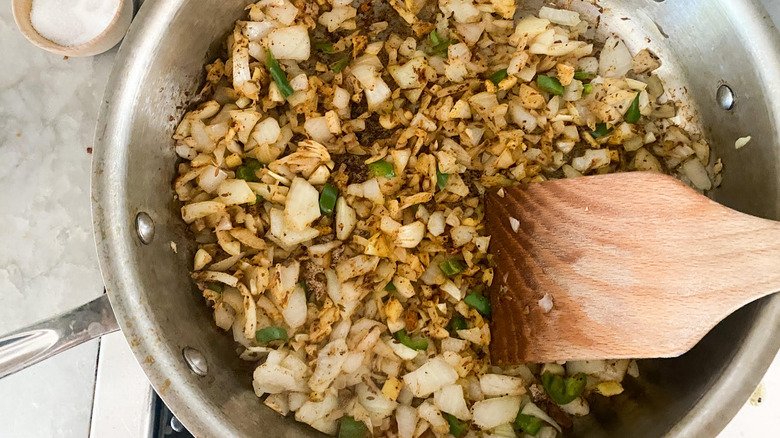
107	39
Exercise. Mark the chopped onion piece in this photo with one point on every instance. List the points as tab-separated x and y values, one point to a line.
698	175
493	385
495	411
290	43
742	142
560	16
431	377
546	303
533	410
406	418
450	399
515	224
329	362
374	401
409	236
346	219
615	59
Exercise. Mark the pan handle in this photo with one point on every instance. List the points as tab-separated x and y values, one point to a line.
42	340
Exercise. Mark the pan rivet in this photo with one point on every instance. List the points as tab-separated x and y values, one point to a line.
196	361
725	97
144	227
176	425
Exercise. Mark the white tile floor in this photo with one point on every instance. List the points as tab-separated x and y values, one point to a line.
48	108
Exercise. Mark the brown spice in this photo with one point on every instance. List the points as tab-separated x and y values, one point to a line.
353	165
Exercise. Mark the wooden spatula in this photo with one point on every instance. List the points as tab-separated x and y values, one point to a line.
634	265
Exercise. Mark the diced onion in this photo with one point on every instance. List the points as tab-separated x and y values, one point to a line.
336	16
256	30
406	419
698	175
410	235
615	58
329	362
493	385
742	142
295	311
290	43
282	11
302	206
546	303
191	212
346	219
495	411
450	399
374	401
533	410
560	16
431	377
210	178
317	128
312	411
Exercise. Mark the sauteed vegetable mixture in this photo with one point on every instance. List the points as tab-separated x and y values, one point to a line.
333	174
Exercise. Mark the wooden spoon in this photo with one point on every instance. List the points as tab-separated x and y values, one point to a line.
637	265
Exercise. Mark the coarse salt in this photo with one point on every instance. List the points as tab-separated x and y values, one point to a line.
72	22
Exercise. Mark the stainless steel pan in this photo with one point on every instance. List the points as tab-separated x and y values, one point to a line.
714	51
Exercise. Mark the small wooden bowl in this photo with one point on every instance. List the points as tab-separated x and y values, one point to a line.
107	39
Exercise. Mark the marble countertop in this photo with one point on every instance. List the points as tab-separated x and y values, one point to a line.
48	264
48	110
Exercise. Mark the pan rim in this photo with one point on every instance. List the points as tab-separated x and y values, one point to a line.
168	374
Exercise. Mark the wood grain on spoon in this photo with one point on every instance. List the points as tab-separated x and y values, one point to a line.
637	265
